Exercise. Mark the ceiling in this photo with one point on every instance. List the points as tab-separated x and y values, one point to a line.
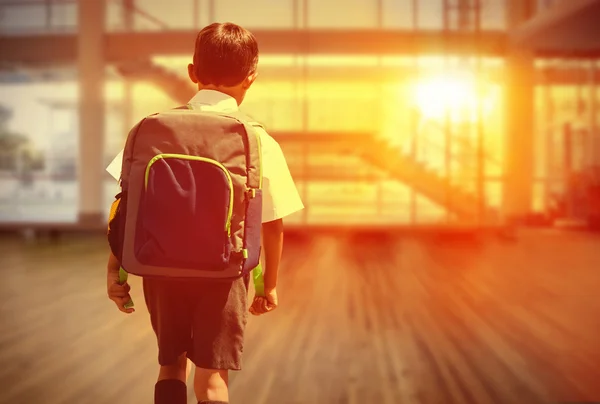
568	28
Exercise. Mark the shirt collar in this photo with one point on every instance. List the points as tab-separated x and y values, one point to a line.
211	100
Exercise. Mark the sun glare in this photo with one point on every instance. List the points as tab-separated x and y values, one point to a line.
454	96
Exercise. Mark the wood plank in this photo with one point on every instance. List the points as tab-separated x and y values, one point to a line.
383	319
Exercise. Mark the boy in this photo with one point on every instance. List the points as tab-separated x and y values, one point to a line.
202	320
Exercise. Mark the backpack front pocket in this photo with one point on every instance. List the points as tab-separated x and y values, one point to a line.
185	214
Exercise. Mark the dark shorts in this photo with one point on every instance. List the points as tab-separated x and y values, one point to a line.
206	319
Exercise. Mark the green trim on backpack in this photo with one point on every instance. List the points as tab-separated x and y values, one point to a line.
205	160
123	275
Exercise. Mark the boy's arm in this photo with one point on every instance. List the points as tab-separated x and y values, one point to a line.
113	265
280	199
273	247
117	292
272	242
117	287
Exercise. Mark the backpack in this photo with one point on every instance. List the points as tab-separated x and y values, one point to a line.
190	204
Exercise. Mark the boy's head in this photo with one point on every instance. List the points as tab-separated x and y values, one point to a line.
225	59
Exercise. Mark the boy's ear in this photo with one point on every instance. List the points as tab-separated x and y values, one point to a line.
192	73
249	80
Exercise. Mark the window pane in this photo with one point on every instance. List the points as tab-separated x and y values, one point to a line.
398	14
493	194
256	13
275	104
539	197
64	16
430	14
39	176
22	18
153	15
347	14
114	17
429	212
493	15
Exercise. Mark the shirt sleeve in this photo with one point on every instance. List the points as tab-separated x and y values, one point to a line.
280	196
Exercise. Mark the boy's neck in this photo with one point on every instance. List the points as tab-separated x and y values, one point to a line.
233	92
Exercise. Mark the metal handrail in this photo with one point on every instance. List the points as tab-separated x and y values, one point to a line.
463	142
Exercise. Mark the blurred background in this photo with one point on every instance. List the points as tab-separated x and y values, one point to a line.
484	113
457	119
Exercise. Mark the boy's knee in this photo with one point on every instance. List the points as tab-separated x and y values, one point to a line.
211	384
176	370
211	377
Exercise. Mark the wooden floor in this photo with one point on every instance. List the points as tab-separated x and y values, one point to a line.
386	320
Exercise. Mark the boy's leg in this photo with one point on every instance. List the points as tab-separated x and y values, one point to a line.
218	325
171	320
171	385
177	371
211	385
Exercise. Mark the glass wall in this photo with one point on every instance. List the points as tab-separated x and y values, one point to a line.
567	136
38	156
444	113
315	14
54	16
424	113
38	16
39	131
415	112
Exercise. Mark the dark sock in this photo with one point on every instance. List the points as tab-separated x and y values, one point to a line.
212	402
170	391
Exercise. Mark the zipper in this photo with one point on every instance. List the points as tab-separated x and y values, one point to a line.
206	160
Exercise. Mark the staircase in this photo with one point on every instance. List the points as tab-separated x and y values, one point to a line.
468	208
383	159
378	153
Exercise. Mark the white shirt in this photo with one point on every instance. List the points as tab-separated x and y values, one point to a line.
280	196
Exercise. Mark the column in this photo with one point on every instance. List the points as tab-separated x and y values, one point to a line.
519	134
129	21
519	124
594	114
91	66
128	15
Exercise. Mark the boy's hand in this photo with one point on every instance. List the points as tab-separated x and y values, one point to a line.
119	293
262	305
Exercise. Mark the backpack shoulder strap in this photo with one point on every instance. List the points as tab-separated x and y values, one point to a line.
233	114
254	160
128	154
245	118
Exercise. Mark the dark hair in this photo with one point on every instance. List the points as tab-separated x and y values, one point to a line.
225	54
